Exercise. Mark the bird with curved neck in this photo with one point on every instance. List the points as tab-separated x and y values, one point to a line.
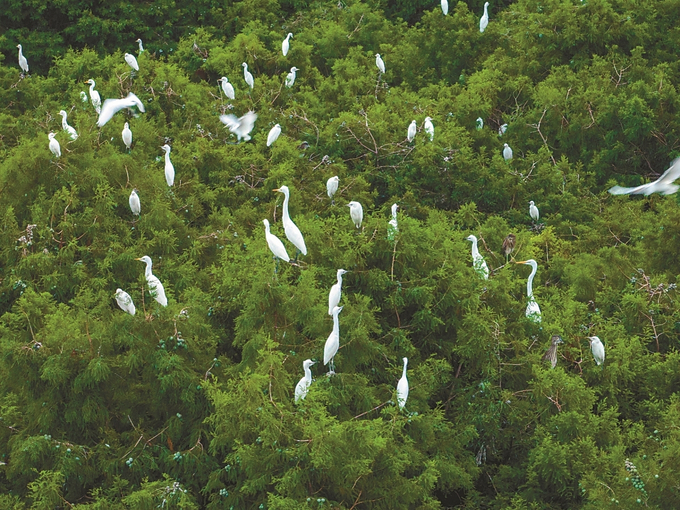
335	293
169	167
275	245
332	343
23	63
484	20
402	387
155	286
597	349
303	384
286	44
64	125
478	261
533	311
95	97
292	231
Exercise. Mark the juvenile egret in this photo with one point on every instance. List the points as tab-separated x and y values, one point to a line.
332	186
597	348
292	231
95	97
141	48
131	61
379	62
155	286
478	261
290	79
429	128
54	145
445	7
402	387
508	245
23	63
275	244
502	129
227	88
393	222
533	312
303	384
273	134
113	106
411	133
286	44
64	125
125	301
335	293
241	126
484	20
356	212
127	136
663	184
551	353
533	211
248	76
169	168
507	152
135	204
333	342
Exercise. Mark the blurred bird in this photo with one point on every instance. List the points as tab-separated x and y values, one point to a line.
333	342
379	62
445	7
155	286
303	384
95	97
83	96
286	44
23	63
507	152
332	186
125	301
411	133
169	168
127	136
508	245
135	204
273	134
402	387
290	79
533	211
131	61
227	88
293	233
241	126
429	128
275	244
502	129
336	292
356	212
480	123
113	106
248	76
478	262
141	48
54	145
69	129
393	222
597	349
551	353
484	20
533	311
663	184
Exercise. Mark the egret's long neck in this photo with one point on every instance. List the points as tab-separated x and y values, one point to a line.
91	87
404	373
64	124
147	271
167	157
339	279
308	374
530	282
336	324
286	198
475	251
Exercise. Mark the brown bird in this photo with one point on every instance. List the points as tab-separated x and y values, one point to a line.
508	245
551	353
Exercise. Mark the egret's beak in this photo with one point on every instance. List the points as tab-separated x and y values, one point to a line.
275	190
521	262
138	259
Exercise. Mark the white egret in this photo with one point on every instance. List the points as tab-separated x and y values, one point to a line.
507	152
275	244
131	61
125	301
429	128
332	186
248	76
484	20
69	129
227	88
379	62
356	212
135	204
95	97
663	184
533	311
127	136
478	261
480	123
169	168
411	133
402	387
335	293
83	96
445	7
54	145
393	222
286	44
23	63
333	342
155	286
113	106
303	384
273	134
290	79
141	48
241	126
551	353
597	349
292	231
533	211
502	129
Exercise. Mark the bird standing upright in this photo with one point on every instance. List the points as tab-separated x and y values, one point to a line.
551	353
445	7
332	186
95	98
507	152
479	123
126	134
23	63
155	286
533	211
141	47
336	292
597	349
332	345
290	78
508	246
402	387
227	88
429	128
379	62
135	204
411	133
356	212
275	244
286	44
54	145
293	233
69	129
303	384
169	167
131	61
484	20
392	225
273	134
478	262
533	311
248	76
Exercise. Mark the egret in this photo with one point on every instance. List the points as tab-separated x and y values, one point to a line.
227	88
333	342
411	133
113	106
478	261
127	136
292	231
663	184
429	128
64	125
135	204
83	96
484	20
155	286
54	145
393	222
533	211
402	387
379	62
335	293
480	123
551	353
275	244
169	168
241	126
597	348
332	186
290	79
273	134
507	152
286	44
95	97
141	48
533	312
356	212
508	246
125	301
502	129
445	7
131	61
248	76
23	63
303	384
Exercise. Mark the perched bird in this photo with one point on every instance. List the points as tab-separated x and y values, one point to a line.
54	145
135	204
335	293
484	20
332	186
290	79
95	98
273	134
125	301
478	261
356	212
131	61
551	353
429	128
663	184
169	168
597	348
507	152
155	286
379	62
293	233
275	244
113	106
411	133
83	96
393	222
248	76
64	125
502	129
127	136
533	211
333	342
508	245
227	88
23	63
303	384
241	126
480	123
402	387
141	48
286	44
533	311
445	7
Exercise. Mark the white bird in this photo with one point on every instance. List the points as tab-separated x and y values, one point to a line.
332	186
248	76
429	128
113	106
290	79
478	261
303	384
507	152
356	212
379	62
54	145
125	301
533	211
241	126
135	204
286	44
445	7
411	133
533	311
273	134
227	88
127	136
155	286
402	387
597	348
141	48
393	222
335	293
333	342
169	168
131	61
64	125
502	129
480	123
663	184
275	244
292	231
95	97
484	20
23	63
83	96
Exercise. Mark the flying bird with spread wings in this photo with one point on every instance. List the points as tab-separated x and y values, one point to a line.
663	184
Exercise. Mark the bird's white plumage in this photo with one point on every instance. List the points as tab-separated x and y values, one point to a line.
95	98
155	286
23	63
480	123
332	186
135	204
502	129
240	126
356	212
402	387
125	301
64	125
248	76
380	63
227	88
293	233
411	133
54	145
285	45
131	61
336	292
332	345
663	184
141	47
507	152
290	78
429	128
273	134
113	106
302	387
533	311
393	224
169	167
533	211
83	96
478	262
445	7
275	244
597	349
127	136
484	20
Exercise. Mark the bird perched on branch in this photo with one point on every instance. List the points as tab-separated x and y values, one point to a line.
290	78
379	63
508	245
227	87
402	387
23	63
597	349
484	20
303	385
551	353
286	44
478	262
533	311
332	186
533	211
356	212
663	184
